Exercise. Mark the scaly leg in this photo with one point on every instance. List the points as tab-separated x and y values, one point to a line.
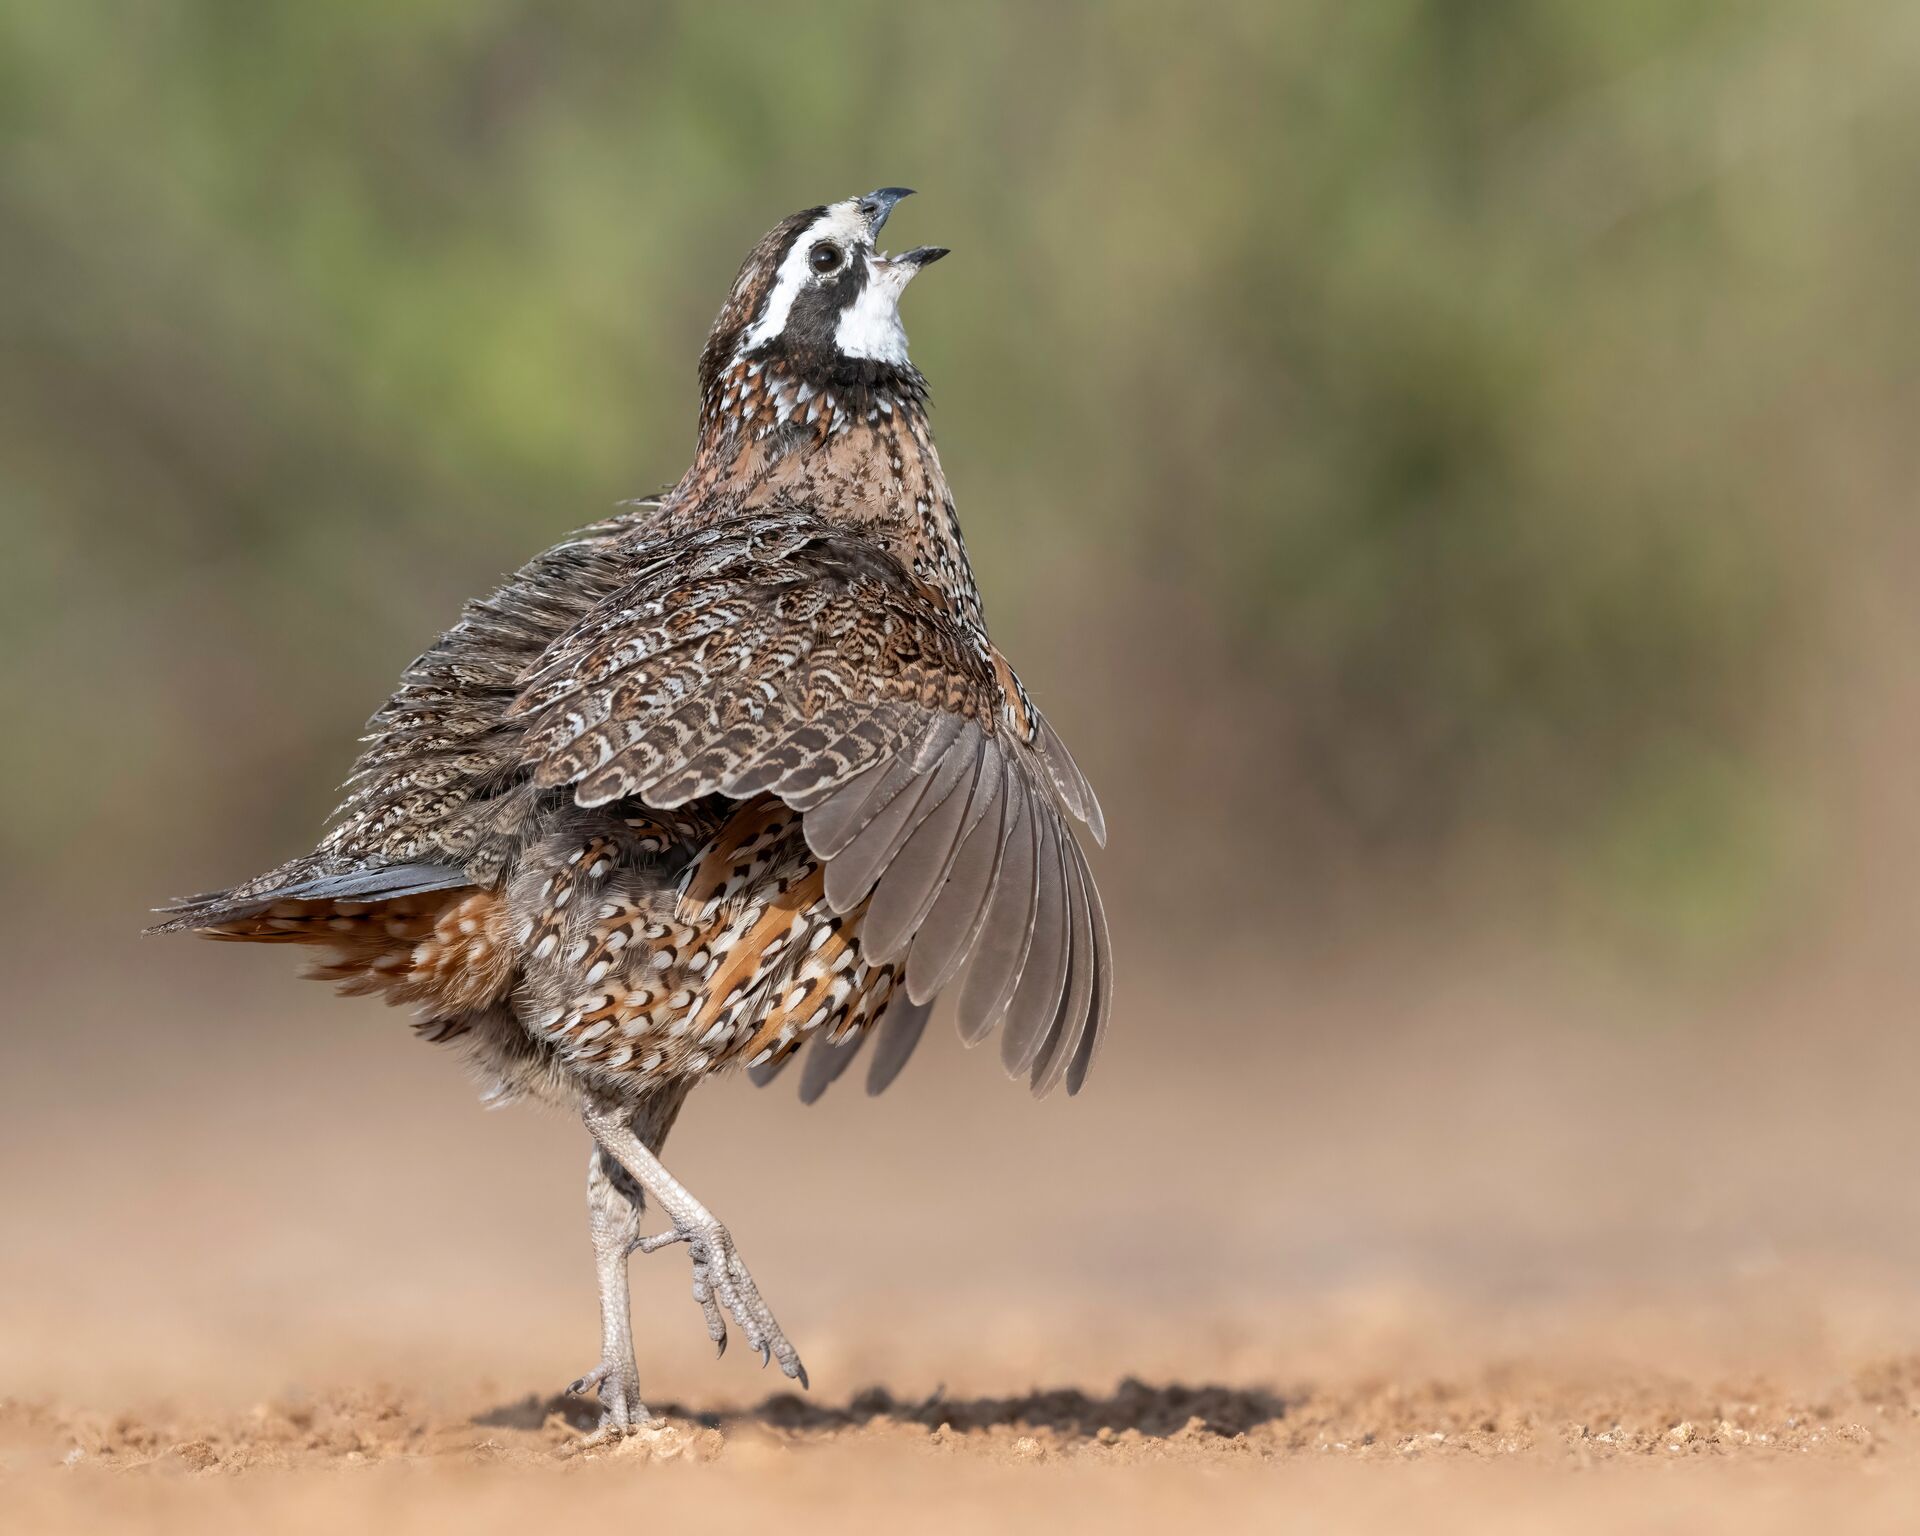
615	1204
720	1277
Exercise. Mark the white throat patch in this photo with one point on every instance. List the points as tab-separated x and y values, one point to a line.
870	327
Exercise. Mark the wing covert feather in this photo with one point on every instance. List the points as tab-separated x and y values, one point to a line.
789	655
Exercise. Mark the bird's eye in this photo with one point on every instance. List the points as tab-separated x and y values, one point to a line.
825	257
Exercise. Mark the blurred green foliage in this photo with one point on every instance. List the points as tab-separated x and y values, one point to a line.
1414	421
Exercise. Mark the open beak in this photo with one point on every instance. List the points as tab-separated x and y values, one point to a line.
878	207
895	271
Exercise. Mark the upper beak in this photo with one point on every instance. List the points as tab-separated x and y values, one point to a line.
878	205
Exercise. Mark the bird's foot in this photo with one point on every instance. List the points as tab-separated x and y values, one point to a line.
723	1285
617	1384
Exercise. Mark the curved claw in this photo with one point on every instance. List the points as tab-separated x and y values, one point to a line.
588	1383
723	1286
622	1411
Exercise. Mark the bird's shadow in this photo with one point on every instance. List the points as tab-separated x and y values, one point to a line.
1154	1411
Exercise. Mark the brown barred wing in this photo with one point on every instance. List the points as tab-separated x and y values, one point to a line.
426	806
786	656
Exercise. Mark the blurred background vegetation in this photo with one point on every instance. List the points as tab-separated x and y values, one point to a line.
1424	454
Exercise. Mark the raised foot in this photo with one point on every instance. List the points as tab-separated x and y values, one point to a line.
617	1384
722	1285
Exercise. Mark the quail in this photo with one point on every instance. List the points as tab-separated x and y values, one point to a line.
733	772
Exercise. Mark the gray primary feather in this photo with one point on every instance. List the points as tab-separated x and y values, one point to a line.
883	842
1034	1001
838	819
827	1058
852	871
953	924
900	1032
1050	1061
1076	794
904	895
1093	1031
1004	939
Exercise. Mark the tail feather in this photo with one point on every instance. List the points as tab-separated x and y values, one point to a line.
448	950
218	912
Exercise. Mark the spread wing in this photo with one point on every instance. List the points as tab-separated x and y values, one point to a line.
787	655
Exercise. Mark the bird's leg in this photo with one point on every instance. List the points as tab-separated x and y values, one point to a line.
614	1206
721	1282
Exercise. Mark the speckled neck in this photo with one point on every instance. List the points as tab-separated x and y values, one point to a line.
852	443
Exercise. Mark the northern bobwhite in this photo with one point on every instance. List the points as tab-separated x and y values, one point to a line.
734	770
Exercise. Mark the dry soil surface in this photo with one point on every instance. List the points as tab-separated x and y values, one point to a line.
1508	1447
1448	1264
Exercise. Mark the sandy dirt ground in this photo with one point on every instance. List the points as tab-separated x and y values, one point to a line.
1459	1256
1515	1444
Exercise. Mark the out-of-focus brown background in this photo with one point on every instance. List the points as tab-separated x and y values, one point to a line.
1448	470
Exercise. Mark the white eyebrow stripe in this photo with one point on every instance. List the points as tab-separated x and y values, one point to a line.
842	222
786	288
